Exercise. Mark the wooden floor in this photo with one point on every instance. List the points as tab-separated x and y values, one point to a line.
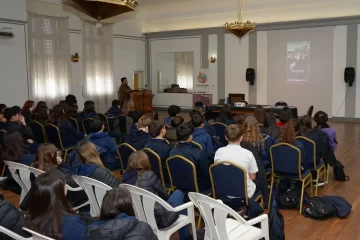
299	227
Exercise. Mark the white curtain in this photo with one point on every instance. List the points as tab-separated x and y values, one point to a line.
184	67
49	58
98	64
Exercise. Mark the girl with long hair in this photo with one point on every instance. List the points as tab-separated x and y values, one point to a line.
116	215
306	125
252	133
225	115
272	129
40	113
92	166
16	149
49	211
129	110
27	109
69	135
139	174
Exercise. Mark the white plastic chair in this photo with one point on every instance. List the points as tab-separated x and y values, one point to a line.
144	204
219	227
95	191
22	177
37	236
12	234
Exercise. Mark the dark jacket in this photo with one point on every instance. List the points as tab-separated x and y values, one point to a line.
132	129
171	136
73	228
138	139
26	115
210	129
27	159
69	135
167	121
203	137
201	161
75	161
83	115
113	112
161	147
122	227
12	219
225	121
98	173
17	127
104	141
135	115
124	93
122	124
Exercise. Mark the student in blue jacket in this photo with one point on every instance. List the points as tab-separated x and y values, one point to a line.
173	111
139	138
50	213
103	140
159	145
115	109
192	152
201	135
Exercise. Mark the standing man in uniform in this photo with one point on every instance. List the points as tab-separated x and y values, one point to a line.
124	91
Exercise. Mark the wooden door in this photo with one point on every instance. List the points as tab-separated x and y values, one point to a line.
136	81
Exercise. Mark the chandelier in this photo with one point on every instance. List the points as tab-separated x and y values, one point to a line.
102	9
240	28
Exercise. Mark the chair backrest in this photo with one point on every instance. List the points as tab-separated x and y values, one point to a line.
37	131
12	234
53	135
144	204
228	179
310	150
125	150
74	123
156	165
220	131
37	236
35	171
285	158
182	173
21	174
105	119
95	190
193	142
86	123
215	214
310	111
2	133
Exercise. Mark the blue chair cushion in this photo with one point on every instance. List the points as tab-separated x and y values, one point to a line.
320	164
256	195
206	191
293	176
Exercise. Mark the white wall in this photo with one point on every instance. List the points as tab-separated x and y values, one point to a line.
213	66
13	9
236	63
357	105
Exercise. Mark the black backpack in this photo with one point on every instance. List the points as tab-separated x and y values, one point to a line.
276	223
339	172
317	208
289	199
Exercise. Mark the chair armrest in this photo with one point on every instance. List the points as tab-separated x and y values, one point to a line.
184	206
73	189
261	218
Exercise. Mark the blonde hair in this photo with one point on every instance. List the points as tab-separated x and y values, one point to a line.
46	156
139	161
127	106
88	154
252	132
143	122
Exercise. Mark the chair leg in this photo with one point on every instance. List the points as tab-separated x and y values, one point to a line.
65	155
271	189
191	215
199	221
302	194
317	181
3	171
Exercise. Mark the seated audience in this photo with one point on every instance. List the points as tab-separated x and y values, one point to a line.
272	129
225	115
159	145
202	136
27	110
16	149
41	113
114	110
92	165
69	135
240	118
50	213
138	139
285	115
210	129
173	111
139	173
234	153
321	119
2	118
103	140
129	110
88	112
192	152
260	116
117	219
65	106
253	136
171	132
70	100
15	122
72	111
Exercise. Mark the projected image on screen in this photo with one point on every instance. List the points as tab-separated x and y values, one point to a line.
298	61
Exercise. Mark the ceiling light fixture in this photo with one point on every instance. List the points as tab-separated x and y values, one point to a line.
239	28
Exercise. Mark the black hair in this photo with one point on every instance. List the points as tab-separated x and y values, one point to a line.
2	107
321	119
70	99
155	128
96	125
117	200
89	106
285	115
174	110
184	131
177	121
197	119
225	113
123	79
199	104
115	103
260	115
14	146
273	130
306	125
10	112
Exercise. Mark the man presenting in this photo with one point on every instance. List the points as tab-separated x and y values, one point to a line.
124	91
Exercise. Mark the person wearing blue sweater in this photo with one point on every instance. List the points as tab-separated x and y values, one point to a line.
139	138
114	110
16	150
159	145
192	152
103	140
50	213
173	111
202	136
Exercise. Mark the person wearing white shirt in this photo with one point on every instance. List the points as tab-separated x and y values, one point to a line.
234	153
